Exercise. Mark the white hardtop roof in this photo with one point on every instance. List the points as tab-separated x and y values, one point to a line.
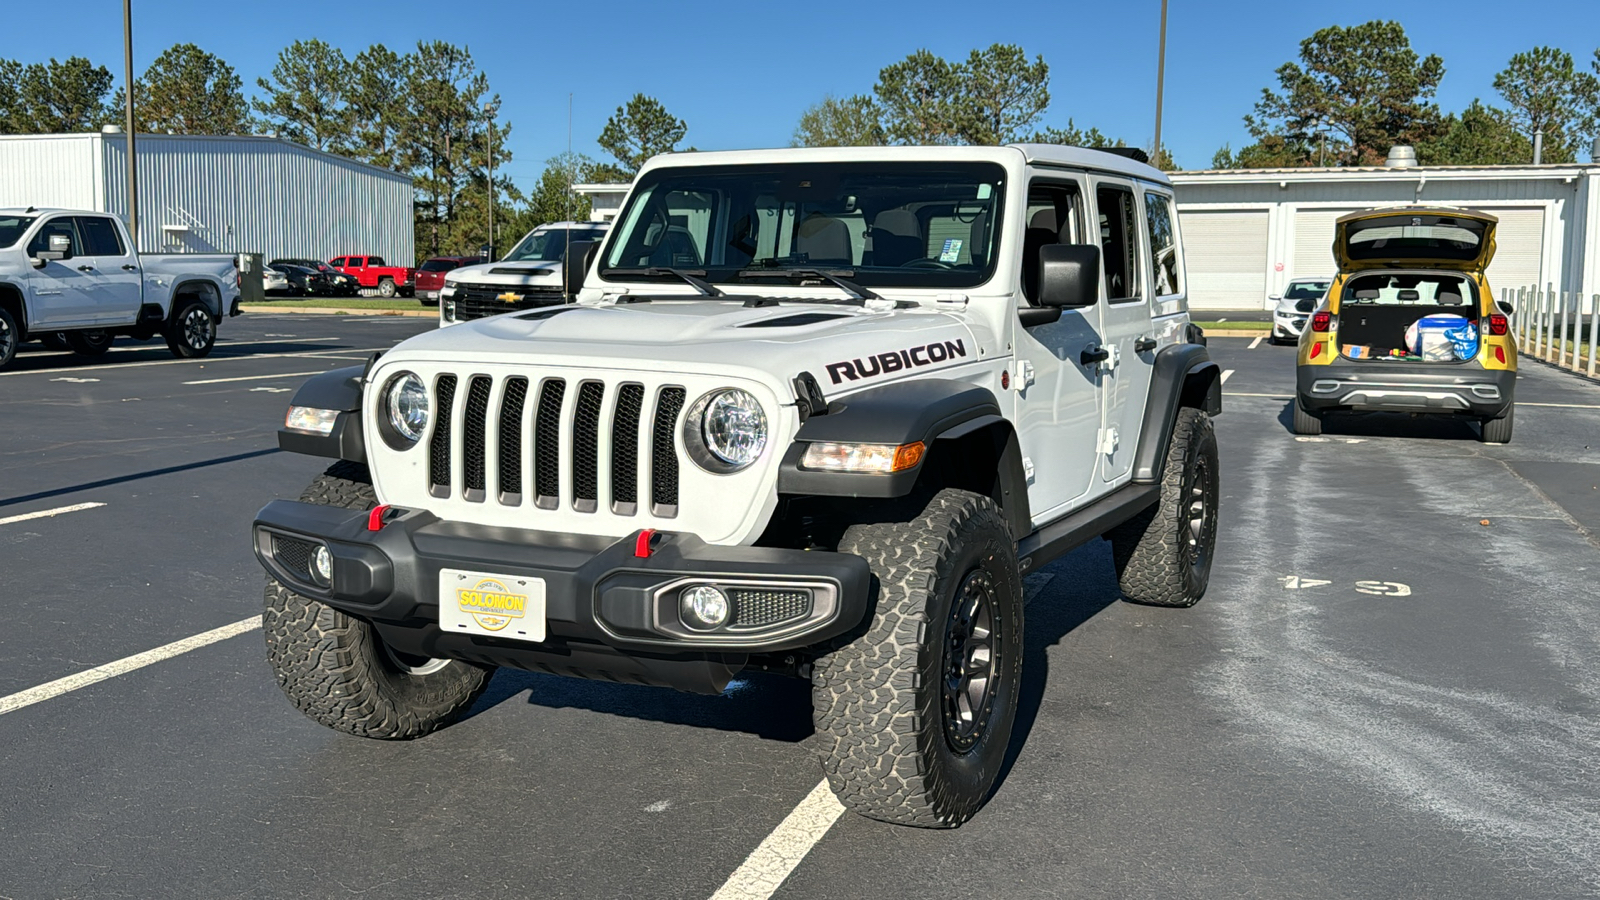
1042	154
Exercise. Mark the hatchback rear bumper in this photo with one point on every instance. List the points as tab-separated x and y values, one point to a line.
1406	387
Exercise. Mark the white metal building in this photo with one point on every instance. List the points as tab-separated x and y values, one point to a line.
1247	232
219	194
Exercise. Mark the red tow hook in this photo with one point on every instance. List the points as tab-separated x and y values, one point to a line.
375	518
641	544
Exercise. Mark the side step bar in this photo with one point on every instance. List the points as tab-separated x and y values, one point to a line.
1078	528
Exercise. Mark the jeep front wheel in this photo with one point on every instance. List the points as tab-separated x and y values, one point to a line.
1163	555
337	670
914	709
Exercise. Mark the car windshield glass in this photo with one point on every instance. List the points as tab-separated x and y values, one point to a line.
550	245
12	227
890	224
439	265
1415	237
1306	290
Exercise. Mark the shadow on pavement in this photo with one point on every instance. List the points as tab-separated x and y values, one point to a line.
152	473
1389	424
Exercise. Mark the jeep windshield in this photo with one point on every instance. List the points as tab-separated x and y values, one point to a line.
550	245
930	225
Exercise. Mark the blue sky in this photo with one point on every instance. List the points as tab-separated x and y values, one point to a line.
741	73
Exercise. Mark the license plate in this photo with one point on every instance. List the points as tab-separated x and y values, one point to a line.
484	603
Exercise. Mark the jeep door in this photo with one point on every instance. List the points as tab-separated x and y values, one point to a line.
1125	326
60	293
1058	415
117	287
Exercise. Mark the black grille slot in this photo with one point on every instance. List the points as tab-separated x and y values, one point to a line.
664	454
439	450
586	447
625	450
511	441
547	445
474	301
756	607
293	555
474	435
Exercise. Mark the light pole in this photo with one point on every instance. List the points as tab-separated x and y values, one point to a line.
488	109
1161	77
127	93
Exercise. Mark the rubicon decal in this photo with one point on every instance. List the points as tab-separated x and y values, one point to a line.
895	360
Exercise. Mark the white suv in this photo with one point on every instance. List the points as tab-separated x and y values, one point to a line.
814	412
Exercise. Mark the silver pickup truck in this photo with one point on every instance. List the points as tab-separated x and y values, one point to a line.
75	273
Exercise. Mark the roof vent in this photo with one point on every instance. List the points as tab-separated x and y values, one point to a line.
110	129
1401	157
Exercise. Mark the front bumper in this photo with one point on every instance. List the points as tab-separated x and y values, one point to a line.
1288	326
1407	387
609	613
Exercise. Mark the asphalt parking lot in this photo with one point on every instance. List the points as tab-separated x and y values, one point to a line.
1392	688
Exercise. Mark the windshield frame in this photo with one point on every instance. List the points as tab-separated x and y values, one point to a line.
991	174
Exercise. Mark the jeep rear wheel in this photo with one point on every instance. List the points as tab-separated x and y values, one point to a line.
1163	555
337	669
914	709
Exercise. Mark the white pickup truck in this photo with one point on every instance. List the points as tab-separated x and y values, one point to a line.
75	273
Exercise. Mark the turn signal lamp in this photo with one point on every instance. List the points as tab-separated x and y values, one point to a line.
1321	321
1498	325
310	420
872	459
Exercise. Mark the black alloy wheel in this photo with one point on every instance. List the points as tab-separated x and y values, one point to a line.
970	661
8	338
198	330
1199	511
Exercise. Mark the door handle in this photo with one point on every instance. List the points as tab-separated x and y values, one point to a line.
1144	345
130	267
1093	354
86	268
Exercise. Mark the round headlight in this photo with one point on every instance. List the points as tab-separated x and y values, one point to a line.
704	607
733	427
408	406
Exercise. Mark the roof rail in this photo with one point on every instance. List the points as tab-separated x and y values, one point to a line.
1133	153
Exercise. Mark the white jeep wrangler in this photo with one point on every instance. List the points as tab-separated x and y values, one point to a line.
813	411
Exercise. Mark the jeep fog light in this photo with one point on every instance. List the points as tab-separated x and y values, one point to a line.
322	565
872	459
310	420
704	607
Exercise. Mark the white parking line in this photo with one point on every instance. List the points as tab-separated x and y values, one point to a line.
293	340
109	367
98	674
766	868
1257	342
256	377
46	514
1561	405
1225	374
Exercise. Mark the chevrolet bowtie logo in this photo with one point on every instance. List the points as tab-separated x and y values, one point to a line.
510	297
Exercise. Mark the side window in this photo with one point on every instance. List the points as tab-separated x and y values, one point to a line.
1119	234
62	225
337	263
375	261
1163	244
100	236
1053	217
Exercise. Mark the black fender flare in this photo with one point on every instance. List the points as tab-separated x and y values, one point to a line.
1184	375
946	415
209	294
338	389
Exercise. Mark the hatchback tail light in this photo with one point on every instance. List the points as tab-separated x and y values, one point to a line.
1321	321
1498	325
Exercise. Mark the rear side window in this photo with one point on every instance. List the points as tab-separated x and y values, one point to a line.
63	225
376	261
100	236
1119	232
1163	245
439	265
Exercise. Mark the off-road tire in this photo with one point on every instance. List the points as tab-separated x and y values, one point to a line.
878	694
335	669
90	343
386	288
1306	422
190	332
10	338
1498	430
1164	555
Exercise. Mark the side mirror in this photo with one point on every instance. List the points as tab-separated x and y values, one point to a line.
60	248
1505	307
1069	275
576	265
1275	298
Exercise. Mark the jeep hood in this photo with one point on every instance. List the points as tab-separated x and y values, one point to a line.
844	347
1415	237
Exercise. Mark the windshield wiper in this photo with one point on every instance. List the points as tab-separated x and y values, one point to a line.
838	278
694	277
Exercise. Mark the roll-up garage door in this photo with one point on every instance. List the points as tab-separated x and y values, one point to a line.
1313	242
1225	254
1519	244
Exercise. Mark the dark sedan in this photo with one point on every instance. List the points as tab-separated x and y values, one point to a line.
339	284
303	282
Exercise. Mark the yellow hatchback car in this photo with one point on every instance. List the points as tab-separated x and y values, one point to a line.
1410	324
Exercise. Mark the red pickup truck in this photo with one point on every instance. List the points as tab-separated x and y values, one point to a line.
372	272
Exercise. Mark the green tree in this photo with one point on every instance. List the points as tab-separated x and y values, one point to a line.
639	130
1363	83
553	200
377	107
64	97
855	121
189	91
921	100
1003	94
1547	94
11	117
305	99
1073	136
1480	136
